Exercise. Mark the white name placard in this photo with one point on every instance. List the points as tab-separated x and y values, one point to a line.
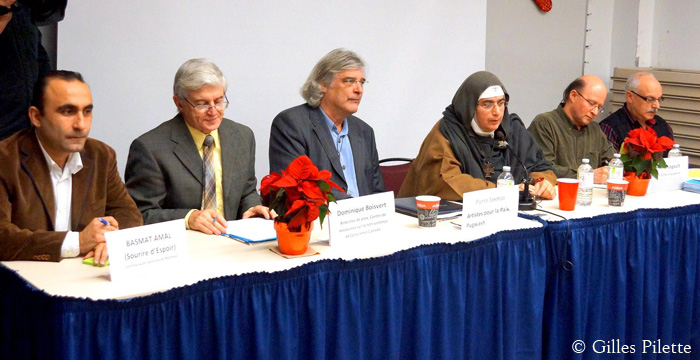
670	177
485	210
360	218
147	250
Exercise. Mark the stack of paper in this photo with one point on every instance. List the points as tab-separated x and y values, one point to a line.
691	185
252	230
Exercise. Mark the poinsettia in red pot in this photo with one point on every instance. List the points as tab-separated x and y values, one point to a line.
299	196
642	153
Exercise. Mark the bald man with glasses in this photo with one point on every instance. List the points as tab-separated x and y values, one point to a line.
569	133
643	98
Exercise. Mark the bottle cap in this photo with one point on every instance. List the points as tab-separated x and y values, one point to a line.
506	168
585	161
616	155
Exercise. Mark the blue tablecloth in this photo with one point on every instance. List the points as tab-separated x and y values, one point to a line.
463	301
633	277
525	294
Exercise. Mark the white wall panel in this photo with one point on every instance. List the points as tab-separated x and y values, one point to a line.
676	39
535	54
417	54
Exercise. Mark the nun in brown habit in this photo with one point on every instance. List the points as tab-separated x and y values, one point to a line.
466	151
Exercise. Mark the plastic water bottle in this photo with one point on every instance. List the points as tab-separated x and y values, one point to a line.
585	183
615	168
506	178
675	152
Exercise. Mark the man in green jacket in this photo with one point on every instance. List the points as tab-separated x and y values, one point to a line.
569	133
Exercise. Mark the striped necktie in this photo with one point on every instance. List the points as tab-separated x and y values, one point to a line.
209	189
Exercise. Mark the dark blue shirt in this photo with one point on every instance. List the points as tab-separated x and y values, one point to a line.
618	125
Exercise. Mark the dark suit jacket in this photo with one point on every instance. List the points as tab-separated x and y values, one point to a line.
164	171
27	205
302	130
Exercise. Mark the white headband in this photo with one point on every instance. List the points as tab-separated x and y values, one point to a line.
492	91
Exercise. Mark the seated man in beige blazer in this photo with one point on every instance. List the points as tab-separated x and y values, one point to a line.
60	191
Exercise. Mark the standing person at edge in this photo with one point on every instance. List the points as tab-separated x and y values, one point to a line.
569	133
324	129
463	153
197	165
61	191
643	95
23	60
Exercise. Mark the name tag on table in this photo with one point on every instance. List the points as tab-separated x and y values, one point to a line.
146	250
360	218
670	177
485	210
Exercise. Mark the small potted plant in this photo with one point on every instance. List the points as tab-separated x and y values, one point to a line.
642	154
299	196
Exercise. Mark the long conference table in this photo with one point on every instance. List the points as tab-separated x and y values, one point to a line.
612	279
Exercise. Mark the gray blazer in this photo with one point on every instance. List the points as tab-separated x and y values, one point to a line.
164	171
302	130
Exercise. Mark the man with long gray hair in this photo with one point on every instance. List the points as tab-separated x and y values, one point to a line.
325	130
184	168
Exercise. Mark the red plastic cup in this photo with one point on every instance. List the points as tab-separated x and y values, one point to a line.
568	188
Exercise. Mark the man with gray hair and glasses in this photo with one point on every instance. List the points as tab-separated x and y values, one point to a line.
325	130
643	98
197	165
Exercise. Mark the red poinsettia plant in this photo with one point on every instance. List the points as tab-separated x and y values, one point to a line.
643	152
300	194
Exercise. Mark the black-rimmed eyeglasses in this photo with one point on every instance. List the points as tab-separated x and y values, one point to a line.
649	99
